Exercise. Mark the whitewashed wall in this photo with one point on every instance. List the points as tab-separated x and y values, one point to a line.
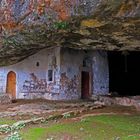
67	65
100	73
72	66
28	73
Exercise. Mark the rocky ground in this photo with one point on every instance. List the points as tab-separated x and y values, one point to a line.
22	112
24	109
41	107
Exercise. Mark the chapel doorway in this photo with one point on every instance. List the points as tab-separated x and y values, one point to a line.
11	84
85	85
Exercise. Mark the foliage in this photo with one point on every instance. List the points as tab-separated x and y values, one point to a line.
66	115
101	127
18	125
6	121
34	133
14	136
15	126
5	129
61	25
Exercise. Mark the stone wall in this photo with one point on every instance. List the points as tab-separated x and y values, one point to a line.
2	81
32	75
100	73
65	67
71	62
72	66
5	99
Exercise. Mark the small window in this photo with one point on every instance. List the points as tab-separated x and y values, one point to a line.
50	75
37	64
87	62
84	63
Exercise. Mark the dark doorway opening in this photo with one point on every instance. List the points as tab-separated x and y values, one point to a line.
85	85
124	73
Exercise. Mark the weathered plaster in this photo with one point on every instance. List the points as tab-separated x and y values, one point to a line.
70	84
67	65
72	66
100	73
31	79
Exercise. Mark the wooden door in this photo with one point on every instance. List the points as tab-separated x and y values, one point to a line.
85	85
11	84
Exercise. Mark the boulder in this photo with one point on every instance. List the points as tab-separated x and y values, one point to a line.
5	99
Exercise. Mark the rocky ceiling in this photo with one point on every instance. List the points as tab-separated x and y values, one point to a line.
26	26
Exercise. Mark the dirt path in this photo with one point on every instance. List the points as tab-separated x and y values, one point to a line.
28	108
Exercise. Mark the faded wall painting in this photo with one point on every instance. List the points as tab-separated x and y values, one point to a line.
34	84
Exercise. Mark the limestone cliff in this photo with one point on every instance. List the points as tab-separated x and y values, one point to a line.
27	26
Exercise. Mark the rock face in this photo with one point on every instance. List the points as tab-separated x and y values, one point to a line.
28	26
125	101
5	99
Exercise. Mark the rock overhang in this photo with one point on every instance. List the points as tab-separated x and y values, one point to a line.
103	25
